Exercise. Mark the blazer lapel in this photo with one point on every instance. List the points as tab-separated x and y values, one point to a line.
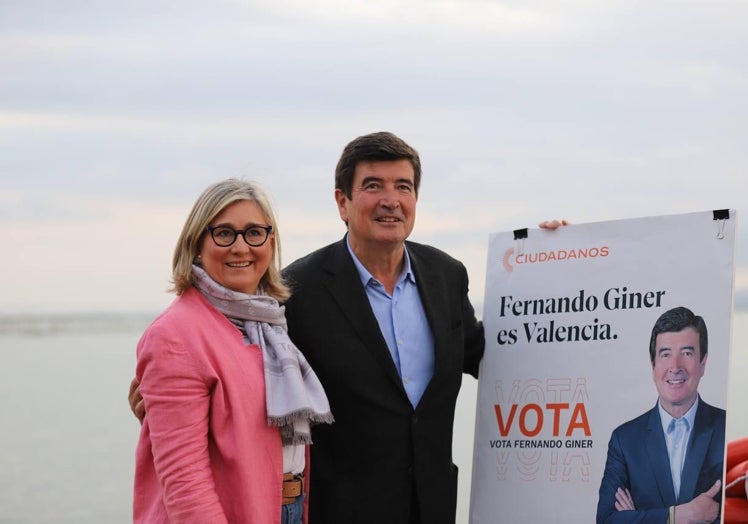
345	287
658	458
698	446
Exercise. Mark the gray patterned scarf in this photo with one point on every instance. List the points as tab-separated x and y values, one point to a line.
295	397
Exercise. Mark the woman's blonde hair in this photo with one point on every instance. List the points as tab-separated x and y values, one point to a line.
208	205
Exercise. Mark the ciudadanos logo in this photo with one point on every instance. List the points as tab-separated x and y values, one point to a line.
511	259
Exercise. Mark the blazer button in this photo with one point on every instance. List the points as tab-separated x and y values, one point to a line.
414	420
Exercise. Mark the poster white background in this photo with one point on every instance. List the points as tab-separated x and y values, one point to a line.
685	260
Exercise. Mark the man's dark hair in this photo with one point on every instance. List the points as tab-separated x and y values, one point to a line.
374	147
678	319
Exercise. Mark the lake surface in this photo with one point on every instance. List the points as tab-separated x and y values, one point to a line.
68	439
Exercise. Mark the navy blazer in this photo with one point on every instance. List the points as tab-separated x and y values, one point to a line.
638	460
365	465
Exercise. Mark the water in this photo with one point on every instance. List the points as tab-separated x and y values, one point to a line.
68	439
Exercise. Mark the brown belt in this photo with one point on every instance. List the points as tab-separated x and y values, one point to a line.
293	486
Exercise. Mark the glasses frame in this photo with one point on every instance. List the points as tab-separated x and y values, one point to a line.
243	233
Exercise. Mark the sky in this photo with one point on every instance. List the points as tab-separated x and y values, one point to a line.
115	115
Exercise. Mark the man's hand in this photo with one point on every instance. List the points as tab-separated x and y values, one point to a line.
553	224
623	500
701	510
137	405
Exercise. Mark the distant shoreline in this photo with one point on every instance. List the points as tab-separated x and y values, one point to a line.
44	324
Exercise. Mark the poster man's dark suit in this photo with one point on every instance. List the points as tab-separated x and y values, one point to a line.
364	466
638	460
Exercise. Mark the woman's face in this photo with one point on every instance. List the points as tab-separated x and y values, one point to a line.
238	267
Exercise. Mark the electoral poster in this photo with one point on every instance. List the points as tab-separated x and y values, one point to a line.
596	336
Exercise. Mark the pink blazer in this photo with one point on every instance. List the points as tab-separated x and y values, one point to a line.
206	454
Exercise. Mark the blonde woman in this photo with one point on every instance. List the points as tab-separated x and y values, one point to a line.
229	399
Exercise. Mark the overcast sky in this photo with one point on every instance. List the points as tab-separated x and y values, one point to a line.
115	115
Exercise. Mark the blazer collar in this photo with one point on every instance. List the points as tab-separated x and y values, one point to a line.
696	452
344	284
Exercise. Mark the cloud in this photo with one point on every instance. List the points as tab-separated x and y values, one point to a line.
113	114
119	262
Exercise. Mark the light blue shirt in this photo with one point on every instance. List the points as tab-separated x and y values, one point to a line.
404	325
676	439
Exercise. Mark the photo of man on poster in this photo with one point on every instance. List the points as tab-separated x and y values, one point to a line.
666	465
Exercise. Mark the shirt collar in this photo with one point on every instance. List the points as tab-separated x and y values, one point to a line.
690	415
366	277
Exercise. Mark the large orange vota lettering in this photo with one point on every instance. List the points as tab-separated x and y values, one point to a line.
504	429
579	420
556	408
523	420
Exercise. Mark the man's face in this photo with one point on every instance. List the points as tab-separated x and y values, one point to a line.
677	369
382	208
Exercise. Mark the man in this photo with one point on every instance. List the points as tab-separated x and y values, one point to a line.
666	465
387	326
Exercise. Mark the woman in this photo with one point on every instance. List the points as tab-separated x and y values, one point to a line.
229	399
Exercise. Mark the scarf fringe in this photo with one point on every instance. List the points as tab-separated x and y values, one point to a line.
313	417
291	433
298	439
